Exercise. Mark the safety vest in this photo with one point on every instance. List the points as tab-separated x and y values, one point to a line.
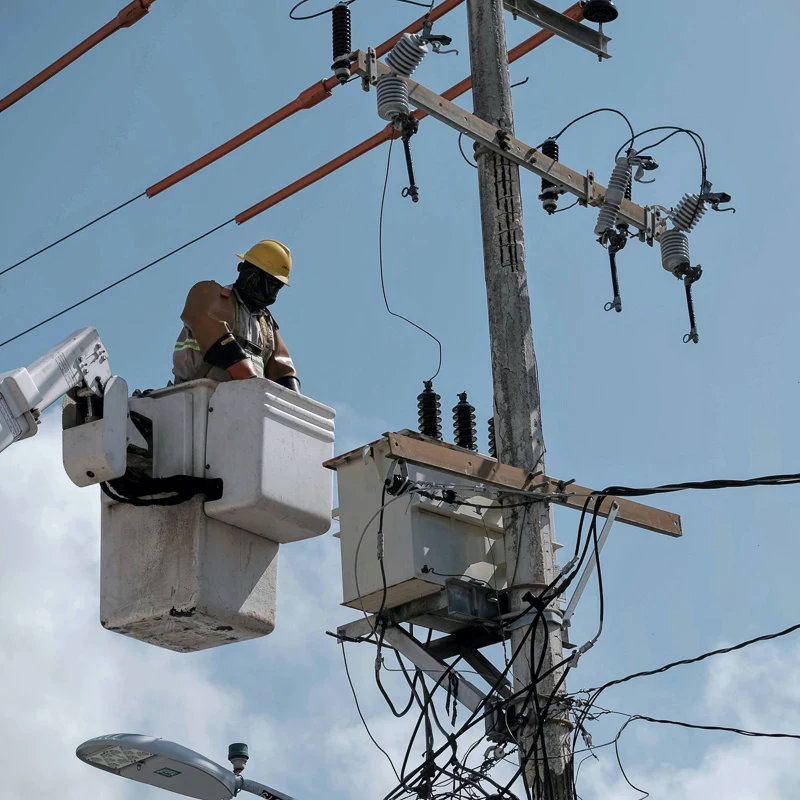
254	332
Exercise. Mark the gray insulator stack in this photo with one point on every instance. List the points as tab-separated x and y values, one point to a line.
617	186
675	243
407	54
674	250
688	212
392	94
392	90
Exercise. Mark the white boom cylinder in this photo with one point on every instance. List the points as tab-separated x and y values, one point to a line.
26	392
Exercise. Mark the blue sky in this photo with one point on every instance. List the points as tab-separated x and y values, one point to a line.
624	400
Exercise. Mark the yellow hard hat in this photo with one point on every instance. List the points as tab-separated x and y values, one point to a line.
271	256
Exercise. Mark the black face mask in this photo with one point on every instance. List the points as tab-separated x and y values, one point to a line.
257	289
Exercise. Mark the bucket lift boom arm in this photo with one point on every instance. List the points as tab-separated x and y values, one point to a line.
78	363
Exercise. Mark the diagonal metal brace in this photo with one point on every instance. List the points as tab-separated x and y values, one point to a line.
468	694
419	655
561	25
587	573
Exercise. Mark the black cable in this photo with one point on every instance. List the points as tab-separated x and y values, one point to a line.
474	719
589	114
595	693
428	698
380	541
116	283
429	6
693	135
70	235
364	722
378	665
314	16
644	794
788	479
567	208
721	728
691	726
380	255
699	143
697	659
461	150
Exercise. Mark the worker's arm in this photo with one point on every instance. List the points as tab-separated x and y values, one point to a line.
209	315
280	367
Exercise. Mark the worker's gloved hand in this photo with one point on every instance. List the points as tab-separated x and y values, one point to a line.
242	370
290	382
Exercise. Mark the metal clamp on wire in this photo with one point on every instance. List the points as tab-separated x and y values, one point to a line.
436	41
397	484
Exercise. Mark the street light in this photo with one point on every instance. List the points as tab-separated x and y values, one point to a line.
170	766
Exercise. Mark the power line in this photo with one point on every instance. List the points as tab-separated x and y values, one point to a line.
307	99
697	727
114	284
696	660
72	233
380	257
591	113
292	16
360	714
463	154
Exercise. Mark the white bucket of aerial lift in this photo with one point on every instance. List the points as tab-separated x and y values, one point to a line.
425	541
265	442
268	445
173	577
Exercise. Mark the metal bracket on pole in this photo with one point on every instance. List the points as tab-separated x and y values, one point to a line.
567	28
587	573
368	68
590	192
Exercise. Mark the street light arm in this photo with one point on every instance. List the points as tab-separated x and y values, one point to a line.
261	790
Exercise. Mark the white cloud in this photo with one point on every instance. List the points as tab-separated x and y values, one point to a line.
756	690
64	678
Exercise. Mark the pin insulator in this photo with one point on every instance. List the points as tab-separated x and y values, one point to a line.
430	412
466	434
342	41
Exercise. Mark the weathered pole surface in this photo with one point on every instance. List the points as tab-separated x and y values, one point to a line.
528	532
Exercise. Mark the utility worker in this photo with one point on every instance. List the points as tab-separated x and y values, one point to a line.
228	332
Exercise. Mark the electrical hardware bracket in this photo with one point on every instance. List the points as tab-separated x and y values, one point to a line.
561	25
648	222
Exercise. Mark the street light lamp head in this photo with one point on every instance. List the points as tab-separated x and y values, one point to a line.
159	763
599	11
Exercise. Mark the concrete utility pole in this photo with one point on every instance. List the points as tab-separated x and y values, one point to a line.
528	533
